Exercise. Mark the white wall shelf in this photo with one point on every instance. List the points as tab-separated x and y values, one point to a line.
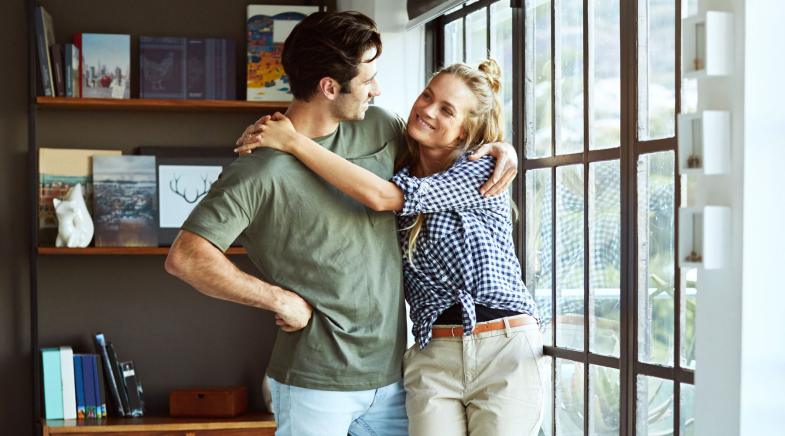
704	237
708	45
704	142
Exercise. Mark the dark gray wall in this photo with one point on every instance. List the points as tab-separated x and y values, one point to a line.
176	336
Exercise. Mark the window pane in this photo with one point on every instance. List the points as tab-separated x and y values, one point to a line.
569	256
539	246
569	76
654	406
604	75
569	398
688	299
656	68
687	410
604	391
501	50
547	414
656	210
453	42
476	37
604	257
537	117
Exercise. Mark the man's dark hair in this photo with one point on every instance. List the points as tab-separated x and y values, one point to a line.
328	44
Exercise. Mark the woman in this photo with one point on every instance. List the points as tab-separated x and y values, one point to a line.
474	368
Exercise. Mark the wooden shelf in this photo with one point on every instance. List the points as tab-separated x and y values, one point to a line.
149	104
124	251
256	420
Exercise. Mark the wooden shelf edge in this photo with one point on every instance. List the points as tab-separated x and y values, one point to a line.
125	251
249	421
150	104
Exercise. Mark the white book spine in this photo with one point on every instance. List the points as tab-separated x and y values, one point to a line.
69	387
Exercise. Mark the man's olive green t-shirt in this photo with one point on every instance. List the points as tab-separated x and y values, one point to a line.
343	258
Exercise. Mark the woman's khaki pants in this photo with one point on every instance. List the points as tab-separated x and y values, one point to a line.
487	384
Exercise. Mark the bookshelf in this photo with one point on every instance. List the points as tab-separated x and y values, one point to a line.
176	337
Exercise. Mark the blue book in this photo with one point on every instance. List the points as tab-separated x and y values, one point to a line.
79	381
88	366
53	383
99	409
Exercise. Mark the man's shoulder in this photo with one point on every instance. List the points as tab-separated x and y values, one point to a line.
256	168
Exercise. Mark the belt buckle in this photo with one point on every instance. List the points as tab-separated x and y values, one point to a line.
460	331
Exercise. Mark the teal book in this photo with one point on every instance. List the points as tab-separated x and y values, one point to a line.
53	383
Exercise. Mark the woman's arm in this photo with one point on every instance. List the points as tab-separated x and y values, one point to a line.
357	182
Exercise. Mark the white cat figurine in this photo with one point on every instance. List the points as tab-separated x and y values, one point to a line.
75	227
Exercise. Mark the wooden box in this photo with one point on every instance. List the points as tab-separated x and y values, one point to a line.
208	402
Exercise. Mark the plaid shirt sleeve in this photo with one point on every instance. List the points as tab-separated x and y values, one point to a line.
458	188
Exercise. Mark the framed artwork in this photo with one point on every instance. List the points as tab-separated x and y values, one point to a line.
267	27
125	204
184	175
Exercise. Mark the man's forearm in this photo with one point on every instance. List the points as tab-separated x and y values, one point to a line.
201	265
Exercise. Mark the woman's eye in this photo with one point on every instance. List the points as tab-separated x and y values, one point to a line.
447	111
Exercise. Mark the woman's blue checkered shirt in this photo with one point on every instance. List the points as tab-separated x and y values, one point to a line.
464	252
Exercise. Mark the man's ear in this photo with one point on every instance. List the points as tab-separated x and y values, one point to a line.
329	88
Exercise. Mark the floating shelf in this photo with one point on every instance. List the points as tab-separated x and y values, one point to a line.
704	142
122	251
704	237
150	104
707	45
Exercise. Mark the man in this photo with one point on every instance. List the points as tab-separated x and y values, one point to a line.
331	268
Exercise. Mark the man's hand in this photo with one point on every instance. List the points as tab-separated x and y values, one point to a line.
293	311
506	166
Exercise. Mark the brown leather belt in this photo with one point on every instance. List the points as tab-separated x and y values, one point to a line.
480	327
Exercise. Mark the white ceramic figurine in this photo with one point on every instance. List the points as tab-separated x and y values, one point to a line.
75	227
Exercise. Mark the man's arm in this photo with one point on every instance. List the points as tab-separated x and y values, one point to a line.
199	263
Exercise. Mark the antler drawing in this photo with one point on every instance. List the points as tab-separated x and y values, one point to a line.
173	185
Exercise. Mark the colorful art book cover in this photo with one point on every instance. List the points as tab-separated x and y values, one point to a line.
106	65
162	62
267	28
59	169
125	208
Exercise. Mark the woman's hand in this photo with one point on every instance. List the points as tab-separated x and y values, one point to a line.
276	132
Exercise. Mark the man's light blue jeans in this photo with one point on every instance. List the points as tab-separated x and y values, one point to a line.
305	412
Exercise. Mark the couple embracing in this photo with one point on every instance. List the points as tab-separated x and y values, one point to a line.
345	208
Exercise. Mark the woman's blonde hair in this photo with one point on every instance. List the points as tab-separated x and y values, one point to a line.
482	124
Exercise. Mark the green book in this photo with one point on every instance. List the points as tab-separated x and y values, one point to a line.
53	383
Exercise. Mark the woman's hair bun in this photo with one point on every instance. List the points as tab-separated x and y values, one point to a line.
490	68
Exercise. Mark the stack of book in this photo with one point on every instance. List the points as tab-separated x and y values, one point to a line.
76	386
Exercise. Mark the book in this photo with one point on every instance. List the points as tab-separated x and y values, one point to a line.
79	383
105	65
111	376
60	169
56	56
101	406
88	367
267	28
163	67
121	388
67	377
53	383
125	208
97	386
71	70
212	69
134	388
45	37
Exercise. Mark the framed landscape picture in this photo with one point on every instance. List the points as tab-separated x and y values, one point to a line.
125	204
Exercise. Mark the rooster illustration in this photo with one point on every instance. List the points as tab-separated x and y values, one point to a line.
156	72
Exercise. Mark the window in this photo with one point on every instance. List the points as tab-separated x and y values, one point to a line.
596	109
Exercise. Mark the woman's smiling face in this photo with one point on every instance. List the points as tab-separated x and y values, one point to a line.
438	114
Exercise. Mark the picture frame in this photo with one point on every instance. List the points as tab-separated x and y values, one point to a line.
184	175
